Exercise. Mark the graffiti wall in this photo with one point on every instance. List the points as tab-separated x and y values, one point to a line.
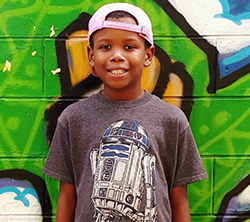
201	65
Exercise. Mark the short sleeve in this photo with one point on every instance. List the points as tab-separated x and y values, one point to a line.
189	167
58	164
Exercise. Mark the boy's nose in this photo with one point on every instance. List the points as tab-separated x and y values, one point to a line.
117	56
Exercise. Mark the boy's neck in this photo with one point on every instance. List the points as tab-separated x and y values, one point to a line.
123	96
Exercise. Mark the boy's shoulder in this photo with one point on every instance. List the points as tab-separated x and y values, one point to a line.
165	107
166	113
77	108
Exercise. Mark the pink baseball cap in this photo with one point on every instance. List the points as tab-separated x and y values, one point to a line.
144	27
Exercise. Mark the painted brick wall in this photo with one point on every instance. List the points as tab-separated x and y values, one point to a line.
202	65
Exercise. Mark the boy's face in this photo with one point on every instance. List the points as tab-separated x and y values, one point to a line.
118	58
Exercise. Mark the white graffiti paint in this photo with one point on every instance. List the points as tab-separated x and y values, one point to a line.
225	24
202	15
19	203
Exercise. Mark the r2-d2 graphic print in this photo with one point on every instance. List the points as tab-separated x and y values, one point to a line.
124	174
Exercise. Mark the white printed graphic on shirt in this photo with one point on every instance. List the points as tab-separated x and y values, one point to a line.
124	173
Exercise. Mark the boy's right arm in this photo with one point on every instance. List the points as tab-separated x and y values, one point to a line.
66	203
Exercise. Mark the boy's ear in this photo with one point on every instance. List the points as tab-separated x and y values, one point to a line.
90	56
149	56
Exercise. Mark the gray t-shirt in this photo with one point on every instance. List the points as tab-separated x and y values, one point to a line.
124	157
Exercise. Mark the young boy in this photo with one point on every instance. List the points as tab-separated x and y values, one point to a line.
122	154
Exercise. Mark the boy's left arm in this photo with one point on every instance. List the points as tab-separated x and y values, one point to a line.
179	204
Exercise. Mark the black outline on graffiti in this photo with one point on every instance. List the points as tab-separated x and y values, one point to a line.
226	199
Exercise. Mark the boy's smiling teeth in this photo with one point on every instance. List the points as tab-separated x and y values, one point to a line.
118	71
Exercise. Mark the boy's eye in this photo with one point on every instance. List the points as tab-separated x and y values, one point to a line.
105	47
129	47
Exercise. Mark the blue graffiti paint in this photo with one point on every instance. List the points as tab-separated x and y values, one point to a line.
20	195
235	10
234	62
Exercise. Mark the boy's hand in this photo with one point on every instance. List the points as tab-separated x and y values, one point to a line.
66	203
179	204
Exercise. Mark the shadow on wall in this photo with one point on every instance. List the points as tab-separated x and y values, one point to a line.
164	78
24	193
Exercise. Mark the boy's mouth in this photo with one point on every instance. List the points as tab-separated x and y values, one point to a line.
118	71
